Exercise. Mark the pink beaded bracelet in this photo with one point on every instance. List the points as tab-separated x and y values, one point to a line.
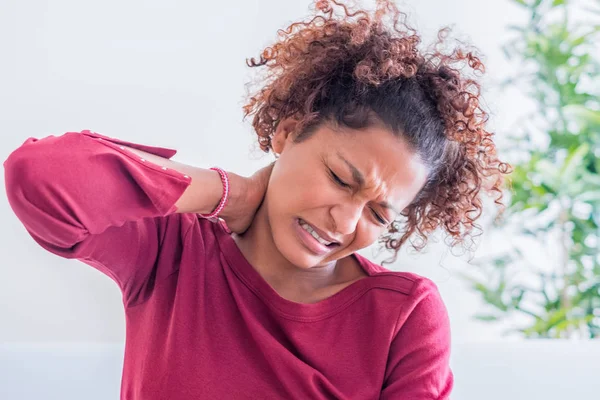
224	198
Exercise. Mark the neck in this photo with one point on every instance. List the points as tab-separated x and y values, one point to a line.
259	248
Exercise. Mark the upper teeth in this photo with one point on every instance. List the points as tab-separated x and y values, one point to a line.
314	234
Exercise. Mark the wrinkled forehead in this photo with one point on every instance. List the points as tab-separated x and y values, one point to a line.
377	159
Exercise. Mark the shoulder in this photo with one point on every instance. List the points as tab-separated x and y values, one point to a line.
417	299
407	284
420	343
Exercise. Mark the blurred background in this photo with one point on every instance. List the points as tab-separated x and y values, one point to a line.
524	304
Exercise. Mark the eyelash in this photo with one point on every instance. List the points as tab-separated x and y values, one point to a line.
345	185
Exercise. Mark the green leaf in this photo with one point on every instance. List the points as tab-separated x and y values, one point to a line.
486	317
582	114
573	162
581	39
572	323
590	197
591	180
550	175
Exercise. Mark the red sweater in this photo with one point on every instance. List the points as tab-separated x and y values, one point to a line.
201	323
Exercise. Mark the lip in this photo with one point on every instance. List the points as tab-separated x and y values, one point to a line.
310	242
322	234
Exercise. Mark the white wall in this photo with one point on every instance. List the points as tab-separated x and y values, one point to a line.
171	74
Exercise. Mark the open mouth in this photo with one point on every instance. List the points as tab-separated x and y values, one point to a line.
312	239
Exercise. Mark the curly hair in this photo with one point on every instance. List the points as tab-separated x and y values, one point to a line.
355	71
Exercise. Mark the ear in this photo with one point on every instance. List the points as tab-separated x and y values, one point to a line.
283	133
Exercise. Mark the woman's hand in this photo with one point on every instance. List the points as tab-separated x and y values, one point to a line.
247	194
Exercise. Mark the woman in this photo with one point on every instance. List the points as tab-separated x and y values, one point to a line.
252	288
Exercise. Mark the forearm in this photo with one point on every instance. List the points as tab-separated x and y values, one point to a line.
206	189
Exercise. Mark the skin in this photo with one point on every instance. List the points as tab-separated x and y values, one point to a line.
301	186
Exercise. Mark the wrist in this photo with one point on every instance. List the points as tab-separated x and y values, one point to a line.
237	191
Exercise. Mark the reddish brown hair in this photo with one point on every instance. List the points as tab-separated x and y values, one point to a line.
354	71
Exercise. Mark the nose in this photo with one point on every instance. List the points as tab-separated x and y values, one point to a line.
346	216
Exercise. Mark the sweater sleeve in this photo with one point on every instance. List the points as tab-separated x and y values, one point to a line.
418	363
82	195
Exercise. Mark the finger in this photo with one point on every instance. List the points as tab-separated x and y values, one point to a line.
265	172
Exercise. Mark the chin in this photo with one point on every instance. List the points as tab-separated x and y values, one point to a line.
295	253
293	250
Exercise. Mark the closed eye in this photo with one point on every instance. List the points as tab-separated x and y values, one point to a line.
338	180
381	220
345	185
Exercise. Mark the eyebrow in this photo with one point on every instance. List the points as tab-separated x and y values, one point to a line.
359	179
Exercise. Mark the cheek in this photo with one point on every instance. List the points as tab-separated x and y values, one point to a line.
296	190
366	235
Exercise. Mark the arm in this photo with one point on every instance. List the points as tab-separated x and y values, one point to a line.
85	196
205	191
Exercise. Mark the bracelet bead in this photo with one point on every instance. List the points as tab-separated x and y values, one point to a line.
224	198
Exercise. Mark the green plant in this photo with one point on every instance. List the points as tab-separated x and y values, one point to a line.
555	196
